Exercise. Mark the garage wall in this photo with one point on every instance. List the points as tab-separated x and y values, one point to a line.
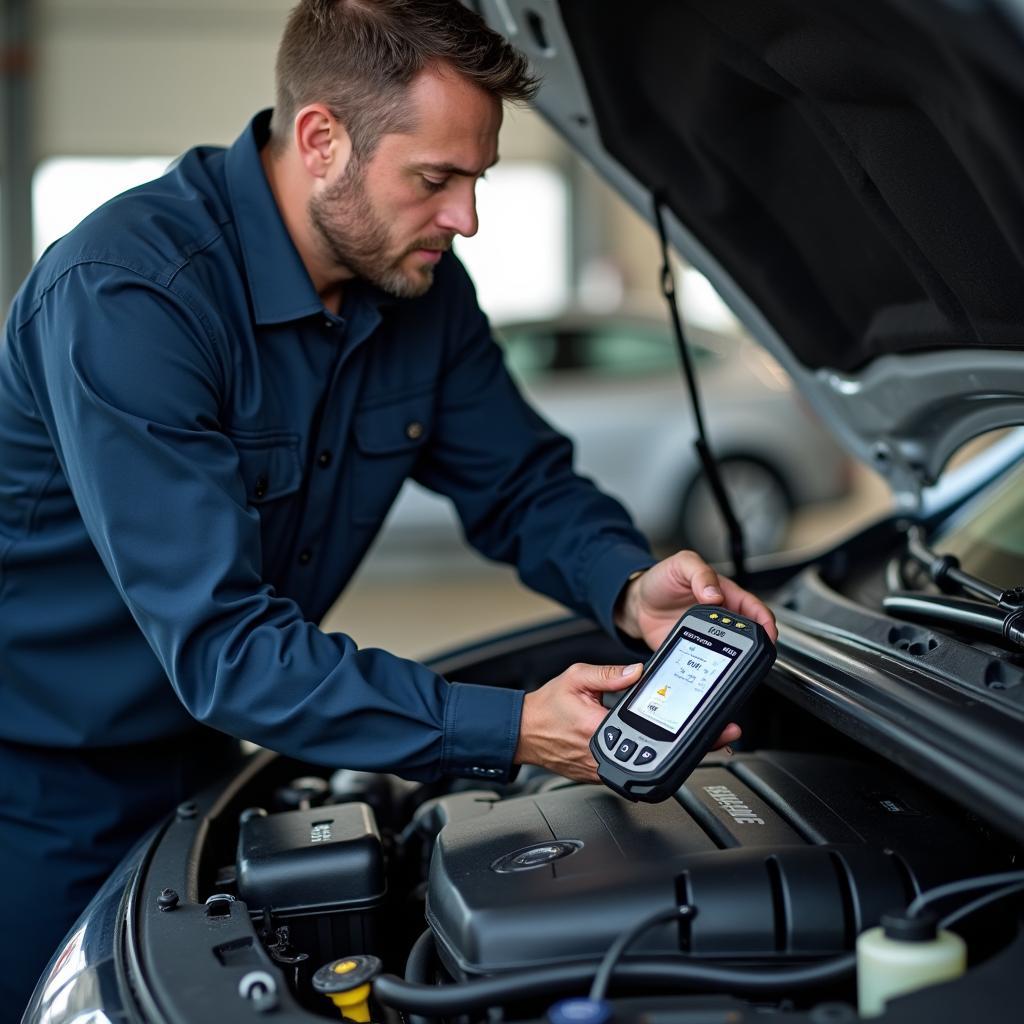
154	77
124	77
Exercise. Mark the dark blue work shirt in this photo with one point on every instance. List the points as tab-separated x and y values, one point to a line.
195	455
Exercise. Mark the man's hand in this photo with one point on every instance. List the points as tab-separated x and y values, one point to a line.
559	719
651	604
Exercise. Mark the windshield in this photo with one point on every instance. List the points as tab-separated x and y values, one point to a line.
989	537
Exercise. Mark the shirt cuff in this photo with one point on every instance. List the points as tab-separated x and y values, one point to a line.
608	576
481	731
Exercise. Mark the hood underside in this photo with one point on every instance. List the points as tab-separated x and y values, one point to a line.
849	175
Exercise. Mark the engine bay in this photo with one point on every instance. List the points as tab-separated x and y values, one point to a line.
784	856
466	904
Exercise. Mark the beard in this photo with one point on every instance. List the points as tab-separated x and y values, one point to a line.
357	238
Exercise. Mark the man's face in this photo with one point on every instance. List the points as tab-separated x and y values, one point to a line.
390	218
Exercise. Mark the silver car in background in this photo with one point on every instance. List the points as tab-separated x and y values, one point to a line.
613	384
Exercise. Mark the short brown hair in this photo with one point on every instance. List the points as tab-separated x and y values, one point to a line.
357	57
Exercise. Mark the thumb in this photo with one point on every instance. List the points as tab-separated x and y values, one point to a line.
606	678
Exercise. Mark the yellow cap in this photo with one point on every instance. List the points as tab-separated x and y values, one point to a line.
355	1004
346	982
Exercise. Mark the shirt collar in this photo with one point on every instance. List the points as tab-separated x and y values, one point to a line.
279	284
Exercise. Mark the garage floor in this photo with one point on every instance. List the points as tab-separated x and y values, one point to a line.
414	603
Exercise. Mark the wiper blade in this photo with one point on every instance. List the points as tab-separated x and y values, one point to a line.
958	611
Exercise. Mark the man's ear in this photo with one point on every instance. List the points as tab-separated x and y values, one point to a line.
321	141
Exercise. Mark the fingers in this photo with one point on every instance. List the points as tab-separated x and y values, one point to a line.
744	603
707	586
557	723
603	678
730	734
692	573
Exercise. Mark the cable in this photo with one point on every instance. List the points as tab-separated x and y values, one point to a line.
417	967
626	939
434	1001
950	919
964	885
465	997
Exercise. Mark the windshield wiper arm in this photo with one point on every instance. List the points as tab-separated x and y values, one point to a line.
999	612
945	572
958	611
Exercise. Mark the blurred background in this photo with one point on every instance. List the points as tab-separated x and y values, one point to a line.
99	95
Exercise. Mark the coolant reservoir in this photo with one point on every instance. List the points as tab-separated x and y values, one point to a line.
904	954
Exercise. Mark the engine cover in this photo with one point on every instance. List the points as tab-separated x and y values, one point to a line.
782	855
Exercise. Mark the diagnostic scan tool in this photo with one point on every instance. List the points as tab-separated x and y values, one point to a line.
696	680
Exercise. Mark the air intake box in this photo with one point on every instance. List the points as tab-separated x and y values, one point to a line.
783	855
317	872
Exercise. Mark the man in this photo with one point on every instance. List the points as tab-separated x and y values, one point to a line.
210	393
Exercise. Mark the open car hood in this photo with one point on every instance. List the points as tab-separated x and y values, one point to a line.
850	177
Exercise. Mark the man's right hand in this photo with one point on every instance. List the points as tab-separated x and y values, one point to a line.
559	718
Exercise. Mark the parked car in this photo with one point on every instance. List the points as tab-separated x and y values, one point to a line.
613	384
849	176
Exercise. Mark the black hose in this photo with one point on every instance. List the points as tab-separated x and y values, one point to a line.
446	1000
417	968
617	949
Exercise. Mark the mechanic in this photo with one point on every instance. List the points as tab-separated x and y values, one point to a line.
210	393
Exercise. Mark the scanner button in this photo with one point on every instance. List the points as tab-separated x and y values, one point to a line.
646	756
611	736
625	749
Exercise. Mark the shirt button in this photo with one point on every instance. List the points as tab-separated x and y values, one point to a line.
305	556
261	486
324	459
414	430
328	323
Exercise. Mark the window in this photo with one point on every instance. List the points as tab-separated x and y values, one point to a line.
67	189
519	260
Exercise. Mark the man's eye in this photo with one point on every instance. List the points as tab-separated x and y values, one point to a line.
433	185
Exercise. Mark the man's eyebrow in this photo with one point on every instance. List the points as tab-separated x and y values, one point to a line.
454	169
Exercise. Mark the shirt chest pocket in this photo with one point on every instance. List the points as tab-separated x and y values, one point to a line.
388	440
269	465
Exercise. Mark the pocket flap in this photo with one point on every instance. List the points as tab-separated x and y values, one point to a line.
399	427
269	465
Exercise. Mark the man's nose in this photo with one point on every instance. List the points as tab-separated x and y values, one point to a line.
458	215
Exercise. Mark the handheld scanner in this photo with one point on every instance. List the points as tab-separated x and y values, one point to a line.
694	682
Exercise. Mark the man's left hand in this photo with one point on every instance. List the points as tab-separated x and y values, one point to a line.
652	603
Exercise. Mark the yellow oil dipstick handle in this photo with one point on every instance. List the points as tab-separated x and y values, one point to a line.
346	982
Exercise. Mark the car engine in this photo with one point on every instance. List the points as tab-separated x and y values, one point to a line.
783	857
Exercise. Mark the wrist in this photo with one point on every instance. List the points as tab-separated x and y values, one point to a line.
523	753
625	615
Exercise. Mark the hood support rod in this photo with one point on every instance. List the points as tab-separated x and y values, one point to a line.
700	443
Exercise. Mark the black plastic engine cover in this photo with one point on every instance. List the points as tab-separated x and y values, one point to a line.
781	854
325	858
